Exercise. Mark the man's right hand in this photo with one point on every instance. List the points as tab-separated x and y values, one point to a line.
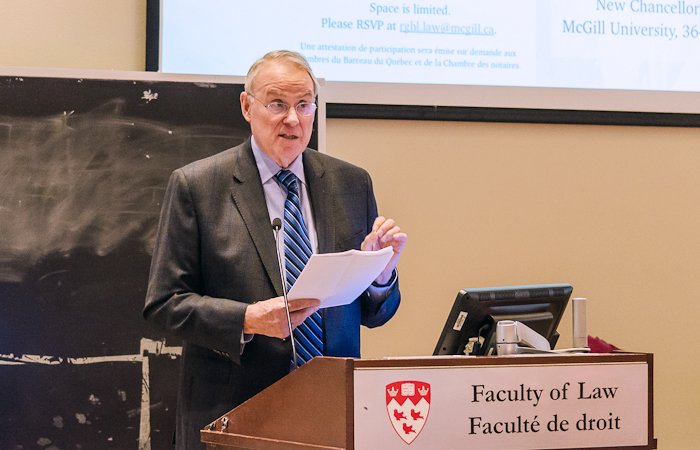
269	317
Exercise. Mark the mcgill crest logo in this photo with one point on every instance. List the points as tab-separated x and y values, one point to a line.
408	404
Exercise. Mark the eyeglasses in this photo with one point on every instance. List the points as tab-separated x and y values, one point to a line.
282	109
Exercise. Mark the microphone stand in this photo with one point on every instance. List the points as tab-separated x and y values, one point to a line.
276	225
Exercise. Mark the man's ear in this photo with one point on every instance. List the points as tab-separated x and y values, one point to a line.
246	104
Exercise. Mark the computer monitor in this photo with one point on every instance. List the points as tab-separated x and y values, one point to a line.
471	326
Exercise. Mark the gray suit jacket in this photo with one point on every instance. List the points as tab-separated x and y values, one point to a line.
215	254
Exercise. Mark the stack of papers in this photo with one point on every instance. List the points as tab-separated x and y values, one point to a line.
339	278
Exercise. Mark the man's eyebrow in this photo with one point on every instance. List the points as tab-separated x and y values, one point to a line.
276	93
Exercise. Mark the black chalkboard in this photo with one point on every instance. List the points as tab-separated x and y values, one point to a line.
83	168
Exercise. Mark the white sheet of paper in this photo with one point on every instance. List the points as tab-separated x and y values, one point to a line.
339	278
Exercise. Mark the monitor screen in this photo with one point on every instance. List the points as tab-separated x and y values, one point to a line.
471	325
544	54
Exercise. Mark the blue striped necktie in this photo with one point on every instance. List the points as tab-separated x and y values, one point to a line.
308	336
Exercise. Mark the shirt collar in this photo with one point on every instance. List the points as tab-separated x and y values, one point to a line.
268	168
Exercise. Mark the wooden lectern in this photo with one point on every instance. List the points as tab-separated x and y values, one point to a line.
563	401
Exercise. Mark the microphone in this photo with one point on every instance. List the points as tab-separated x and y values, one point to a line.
276	225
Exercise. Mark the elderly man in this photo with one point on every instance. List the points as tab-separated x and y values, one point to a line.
215	280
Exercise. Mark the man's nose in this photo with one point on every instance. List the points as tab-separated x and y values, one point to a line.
291	118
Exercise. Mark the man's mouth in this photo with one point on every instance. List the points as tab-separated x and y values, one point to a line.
288	136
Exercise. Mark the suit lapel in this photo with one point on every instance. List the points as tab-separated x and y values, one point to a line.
321	202
249	197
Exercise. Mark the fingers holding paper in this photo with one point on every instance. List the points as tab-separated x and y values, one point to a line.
269	317
384	234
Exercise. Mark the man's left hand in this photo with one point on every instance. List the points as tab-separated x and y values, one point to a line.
385	233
